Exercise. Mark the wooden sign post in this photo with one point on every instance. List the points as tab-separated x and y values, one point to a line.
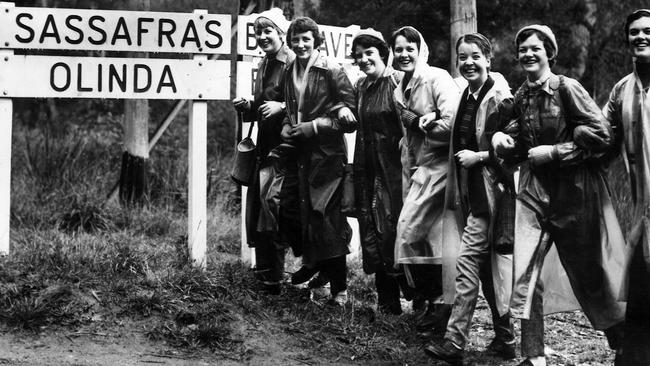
198	79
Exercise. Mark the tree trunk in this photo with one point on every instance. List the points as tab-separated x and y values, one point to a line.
462	21
133	175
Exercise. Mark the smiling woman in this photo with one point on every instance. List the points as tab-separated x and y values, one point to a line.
426	99
377	167
320	99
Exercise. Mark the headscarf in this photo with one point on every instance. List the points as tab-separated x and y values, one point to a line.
423	52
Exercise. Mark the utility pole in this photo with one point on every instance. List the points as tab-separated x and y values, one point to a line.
133	175
462	21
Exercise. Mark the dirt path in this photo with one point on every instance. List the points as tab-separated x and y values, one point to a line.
127	345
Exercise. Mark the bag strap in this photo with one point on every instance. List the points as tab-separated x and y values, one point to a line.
564	96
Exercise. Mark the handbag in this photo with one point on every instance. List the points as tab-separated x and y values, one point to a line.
243	168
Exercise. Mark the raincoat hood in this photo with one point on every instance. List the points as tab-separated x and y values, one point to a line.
423	53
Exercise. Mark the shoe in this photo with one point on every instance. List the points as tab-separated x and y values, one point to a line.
525	362
340	299
445	351
318	294
319	281
435	318
502	349
303	275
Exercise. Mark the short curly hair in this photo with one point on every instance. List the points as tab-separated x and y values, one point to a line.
551	51
302	25
367	41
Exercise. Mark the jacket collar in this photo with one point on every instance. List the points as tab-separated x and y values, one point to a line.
283	54
550	84
321	60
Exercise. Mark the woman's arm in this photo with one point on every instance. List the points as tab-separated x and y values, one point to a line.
592	137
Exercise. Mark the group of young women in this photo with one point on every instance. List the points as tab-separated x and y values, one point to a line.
432	183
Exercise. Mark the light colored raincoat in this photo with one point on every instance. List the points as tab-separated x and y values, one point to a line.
566	202
421	229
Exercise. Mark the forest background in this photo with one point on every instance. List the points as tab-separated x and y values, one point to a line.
111	284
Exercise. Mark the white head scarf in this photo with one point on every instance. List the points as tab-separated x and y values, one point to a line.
423	51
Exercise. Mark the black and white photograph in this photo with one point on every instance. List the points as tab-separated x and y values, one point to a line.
325	182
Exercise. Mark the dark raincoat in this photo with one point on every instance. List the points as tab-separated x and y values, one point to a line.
322	158
377	170
268	87
568	199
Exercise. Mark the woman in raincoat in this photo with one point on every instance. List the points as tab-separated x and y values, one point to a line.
628	109
267	108
377	167
427	98
320	100
558	136
475	183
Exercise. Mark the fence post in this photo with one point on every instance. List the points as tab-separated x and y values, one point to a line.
197	173
6	120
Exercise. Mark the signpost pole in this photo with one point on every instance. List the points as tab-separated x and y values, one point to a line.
197	158
6	112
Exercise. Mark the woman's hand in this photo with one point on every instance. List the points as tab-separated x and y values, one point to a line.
270	108
542	154
286	133
241	104
427	122
345	115
502	142
469	158
303	131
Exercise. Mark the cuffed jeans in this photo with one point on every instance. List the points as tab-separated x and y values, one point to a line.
473	265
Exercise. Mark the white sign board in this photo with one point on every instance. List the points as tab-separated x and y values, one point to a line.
246	74
338	40
114	30
103	77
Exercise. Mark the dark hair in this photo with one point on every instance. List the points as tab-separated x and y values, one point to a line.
302	25
368	41
479	40
409	33
264	22
551	52
637	14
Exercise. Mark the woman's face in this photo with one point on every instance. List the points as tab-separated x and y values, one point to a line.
302	44
532	57
268	39
406	54
369	61
638	37
472	64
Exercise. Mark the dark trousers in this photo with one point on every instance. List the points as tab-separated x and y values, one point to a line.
269	259
636	340
336	271
427	279
387	291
